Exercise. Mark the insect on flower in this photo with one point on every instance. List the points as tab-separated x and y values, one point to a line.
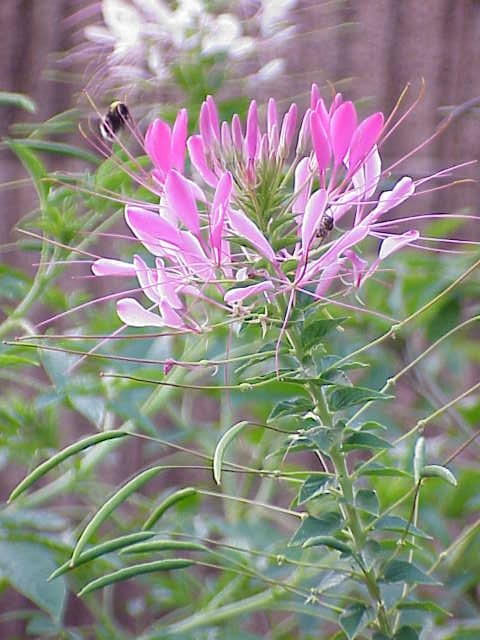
325	225
115	119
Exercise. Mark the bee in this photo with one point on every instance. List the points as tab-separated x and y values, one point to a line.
115	119
325	225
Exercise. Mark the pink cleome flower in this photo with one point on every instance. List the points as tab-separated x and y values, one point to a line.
260	215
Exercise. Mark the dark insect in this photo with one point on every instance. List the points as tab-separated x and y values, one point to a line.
116	118
325	225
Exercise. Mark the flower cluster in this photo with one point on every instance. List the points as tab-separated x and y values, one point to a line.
268	213
145	40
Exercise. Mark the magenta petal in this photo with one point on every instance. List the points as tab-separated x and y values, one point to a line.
342	127
395	243
179	140
157	145
223	192
151	229
359	266
199	160
313	212
248	230
214	120
180	197
131	313
251	137
321	145
240	293
364	138
107	267
322	111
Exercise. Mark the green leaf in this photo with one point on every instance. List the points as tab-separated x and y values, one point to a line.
35	168
134	571
295	407
406	633
26	566
62	455
313	487
364	440
353	619
311	527
398	524
9	360
90	406
367	500
323	438
314	330
403	571
327	541
437	471
17	100
379	470
222	445
423	605
344	397
58	148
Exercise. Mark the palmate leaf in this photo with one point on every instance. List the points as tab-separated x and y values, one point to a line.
364	440
313	487
316	329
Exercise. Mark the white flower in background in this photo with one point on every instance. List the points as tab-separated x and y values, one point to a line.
143	38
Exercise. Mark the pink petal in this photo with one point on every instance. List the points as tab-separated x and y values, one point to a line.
170	316
248	230
288	128
226	137
342	126
404	188
328	277
205	126
304	132
199	160
359	266
364	138
146	279
180	198
272	117
337	101
321	145
313	212
107	267
240	293
302	185
151	229
322	111
131	313
237	135
157	145
251	137
395	243
214	120
179	140
168	285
